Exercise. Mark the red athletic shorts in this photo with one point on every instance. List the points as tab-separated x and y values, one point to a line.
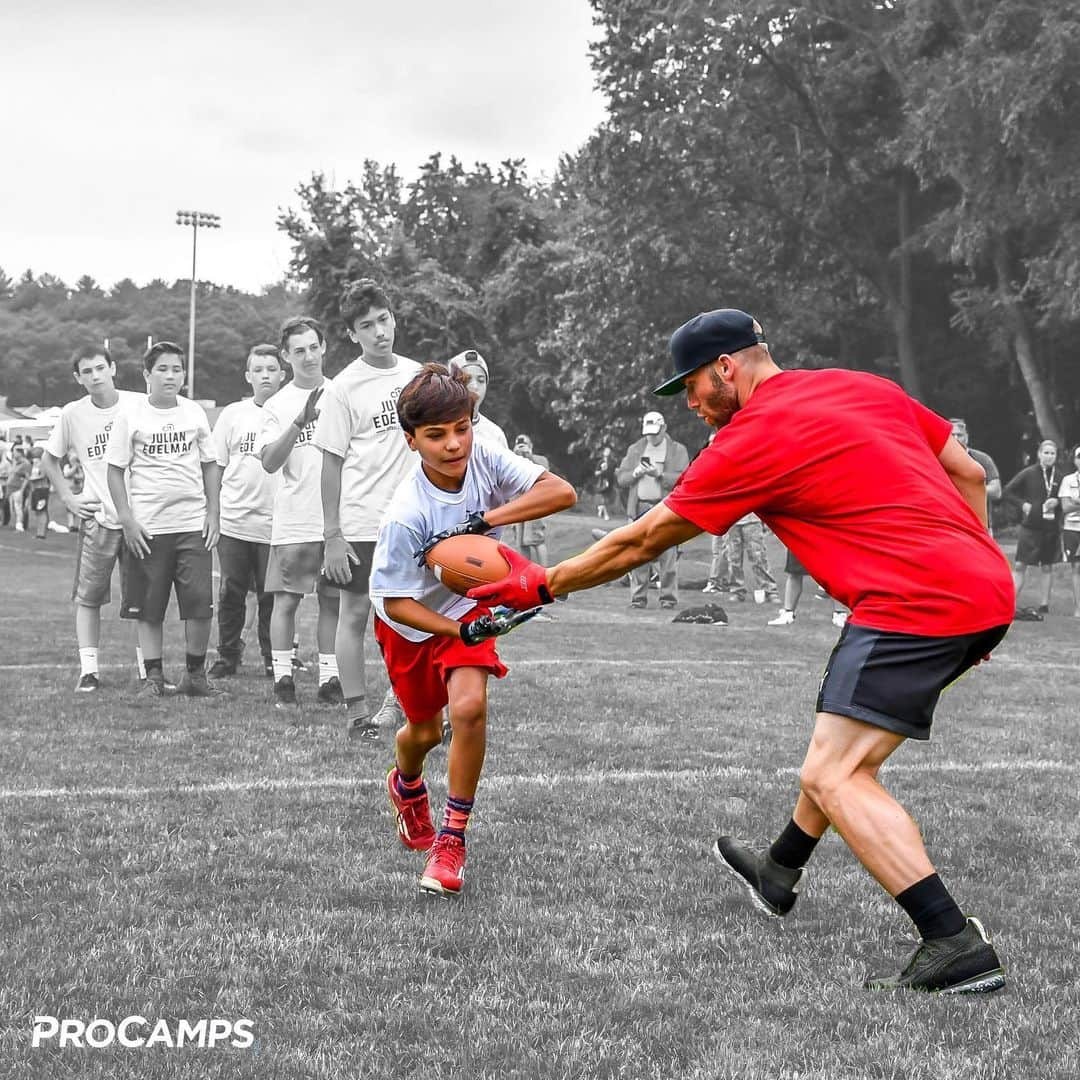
419	670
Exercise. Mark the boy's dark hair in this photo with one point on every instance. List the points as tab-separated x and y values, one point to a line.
88	352
299	324
160	348
434	396
263	350
359	298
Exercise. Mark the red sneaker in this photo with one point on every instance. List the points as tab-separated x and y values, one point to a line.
445	868
413	816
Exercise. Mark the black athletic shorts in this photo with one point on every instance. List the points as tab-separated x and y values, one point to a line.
1037	547
793	566
364	550
892	680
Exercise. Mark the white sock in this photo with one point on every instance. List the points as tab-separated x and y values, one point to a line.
139	662
282	661
327	667
88	659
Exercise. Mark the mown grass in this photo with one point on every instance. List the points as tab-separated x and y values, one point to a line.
233	865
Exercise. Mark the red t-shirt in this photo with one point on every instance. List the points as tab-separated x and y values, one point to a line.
843	467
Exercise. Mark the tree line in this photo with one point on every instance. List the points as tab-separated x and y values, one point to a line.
887	186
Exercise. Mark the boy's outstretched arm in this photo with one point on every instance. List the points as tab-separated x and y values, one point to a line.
547	496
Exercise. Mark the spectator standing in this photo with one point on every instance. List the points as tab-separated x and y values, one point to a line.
17	477
1069	493
745	541
650	469
5	473
993	477
1035	488
605	482
476	370
36	497
530	537
795	572
247	513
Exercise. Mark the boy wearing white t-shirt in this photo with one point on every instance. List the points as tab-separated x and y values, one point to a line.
1069	494
83	429
247	512
364	461
164	482
438	646
475	367
296	539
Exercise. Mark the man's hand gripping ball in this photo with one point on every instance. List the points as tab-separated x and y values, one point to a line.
526	586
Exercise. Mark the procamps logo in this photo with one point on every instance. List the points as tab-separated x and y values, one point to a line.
136	1032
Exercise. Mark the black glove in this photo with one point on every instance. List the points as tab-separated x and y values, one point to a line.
475	525
496	624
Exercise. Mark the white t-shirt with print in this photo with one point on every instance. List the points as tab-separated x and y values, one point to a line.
84	429
1070	489
358	421
298	502
419	510
164	451
247	489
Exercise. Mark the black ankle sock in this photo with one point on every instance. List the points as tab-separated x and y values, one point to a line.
151	665
932	909
195	663
793	847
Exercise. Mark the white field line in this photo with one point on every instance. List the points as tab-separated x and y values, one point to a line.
583	662
547	780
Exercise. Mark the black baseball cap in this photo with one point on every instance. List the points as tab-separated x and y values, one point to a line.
704	338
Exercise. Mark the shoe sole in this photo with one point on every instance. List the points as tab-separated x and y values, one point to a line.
986	983
402	835
436	888
757	899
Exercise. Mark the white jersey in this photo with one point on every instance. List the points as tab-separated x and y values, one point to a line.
487	431
298	502
358	421
1070	489
84	429
164	451
419	510
247	489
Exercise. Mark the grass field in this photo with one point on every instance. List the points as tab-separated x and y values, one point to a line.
208	859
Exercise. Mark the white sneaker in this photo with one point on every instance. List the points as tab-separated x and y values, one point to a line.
389	714
839	618
20	527
710	587
785	618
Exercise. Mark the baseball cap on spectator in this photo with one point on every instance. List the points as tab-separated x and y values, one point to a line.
466	358
705	337
651	423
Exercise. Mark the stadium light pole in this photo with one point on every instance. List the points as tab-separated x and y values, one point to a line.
196	219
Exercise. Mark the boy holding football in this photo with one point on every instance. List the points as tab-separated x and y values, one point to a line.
438	646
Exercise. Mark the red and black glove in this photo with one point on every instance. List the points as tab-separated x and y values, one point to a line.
524	587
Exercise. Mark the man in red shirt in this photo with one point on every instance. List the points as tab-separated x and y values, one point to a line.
870	491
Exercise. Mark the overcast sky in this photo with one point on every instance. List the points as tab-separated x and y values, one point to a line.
117	113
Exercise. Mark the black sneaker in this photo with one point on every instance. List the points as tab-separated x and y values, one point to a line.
772	887
965	963
88	684
285	693
330	693
153	687
221	668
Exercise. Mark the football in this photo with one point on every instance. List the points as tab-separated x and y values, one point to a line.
463	562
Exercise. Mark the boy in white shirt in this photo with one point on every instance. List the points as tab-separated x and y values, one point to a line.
160	446
438	646
247	512
83	428
364	461
475	367
296	539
